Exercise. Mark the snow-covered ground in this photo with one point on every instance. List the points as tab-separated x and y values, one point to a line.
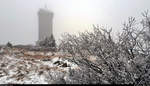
22	70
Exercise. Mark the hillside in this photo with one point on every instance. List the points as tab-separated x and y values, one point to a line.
25	67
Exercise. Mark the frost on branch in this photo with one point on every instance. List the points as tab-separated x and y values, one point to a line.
125	61
48	42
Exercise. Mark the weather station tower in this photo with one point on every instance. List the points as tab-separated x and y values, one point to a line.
45	22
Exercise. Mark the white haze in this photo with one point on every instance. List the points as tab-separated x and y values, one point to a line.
19	20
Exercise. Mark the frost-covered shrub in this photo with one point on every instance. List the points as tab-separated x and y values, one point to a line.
117	60
98	43
9	45
82	76
48	42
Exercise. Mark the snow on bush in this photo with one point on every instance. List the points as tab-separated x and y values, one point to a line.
116	62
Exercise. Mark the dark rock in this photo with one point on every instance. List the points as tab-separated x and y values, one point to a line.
64	65
57	62
46	59
3	65
41	72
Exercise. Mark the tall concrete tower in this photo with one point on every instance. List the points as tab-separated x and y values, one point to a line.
45	23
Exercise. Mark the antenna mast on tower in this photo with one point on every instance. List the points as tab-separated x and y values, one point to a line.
46	4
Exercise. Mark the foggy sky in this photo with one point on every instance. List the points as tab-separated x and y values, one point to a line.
19	20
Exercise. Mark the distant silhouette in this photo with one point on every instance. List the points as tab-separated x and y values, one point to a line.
45	23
